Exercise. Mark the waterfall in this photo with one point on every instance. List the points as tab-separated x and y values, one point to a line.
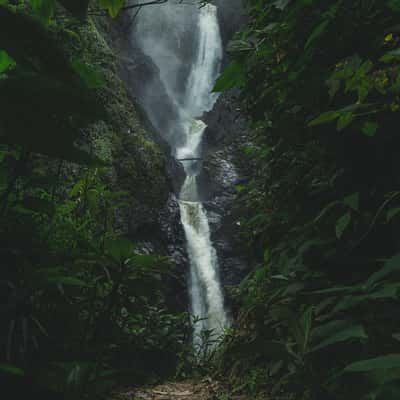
207	302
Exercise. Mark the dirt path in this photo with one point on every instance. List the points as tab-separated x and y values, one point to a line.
187	390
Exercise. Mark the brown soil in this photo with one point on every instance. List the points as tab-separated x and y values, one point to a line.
206	389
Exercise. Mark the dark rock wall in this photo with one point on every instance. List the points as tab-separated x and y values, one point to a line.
141	160
232	16
224	169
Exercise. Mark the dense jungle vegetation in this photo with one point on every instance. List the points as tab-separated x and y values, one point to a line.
320	81
80	308
317	318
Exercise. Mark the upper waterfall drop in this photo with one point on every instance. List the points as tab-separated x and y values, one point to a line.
205	69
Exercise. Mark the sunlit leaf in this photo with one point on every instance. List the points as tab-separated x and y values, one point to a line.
342	223
6	61
232	76
113	6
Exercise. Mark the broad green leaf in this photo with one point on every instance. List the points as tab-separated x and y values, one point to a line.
352	201
11	369
239	188
6	61
328	329
324	118
392	213
316	33
382	362
90	75
119	249
391	265
344	120
389	291
391	56
352	332
330	116
300	328
370	128
113	6
342	223
232	76
44	9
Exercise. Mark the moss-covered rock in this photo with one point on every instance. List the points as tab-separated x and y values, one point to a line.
120	138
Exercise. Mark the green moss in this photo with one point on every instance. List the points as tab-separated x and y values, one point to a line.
120	138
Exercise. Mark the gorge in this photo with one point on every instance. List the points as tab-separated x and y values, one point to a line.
159	240
188	78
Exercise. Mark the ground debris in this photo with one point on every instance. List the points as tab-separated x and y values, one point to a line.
207	389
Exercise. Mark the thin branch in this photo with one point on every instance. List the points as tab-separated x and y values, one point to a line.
99	12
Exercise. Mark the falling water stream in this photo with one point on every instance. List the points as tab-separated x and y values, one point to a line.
207	302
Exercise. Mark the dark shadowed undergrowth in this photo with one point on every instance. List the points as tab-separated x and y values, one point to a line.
318	315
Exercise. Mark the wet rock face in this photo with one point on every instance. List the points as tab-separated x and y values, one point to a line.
223	169
232	16
166	237
139	73
145	169
222	176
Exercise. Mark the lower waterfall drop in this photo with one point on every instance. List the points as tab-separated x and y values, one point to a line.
206	296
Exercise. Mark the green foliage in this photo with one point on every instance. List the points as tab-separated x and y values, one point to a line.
92	78
320	82
81	308
6	61
383	362
113	6
44	9
233	76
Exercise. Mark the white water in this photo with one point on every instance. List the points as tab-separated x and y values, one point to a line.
207	302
